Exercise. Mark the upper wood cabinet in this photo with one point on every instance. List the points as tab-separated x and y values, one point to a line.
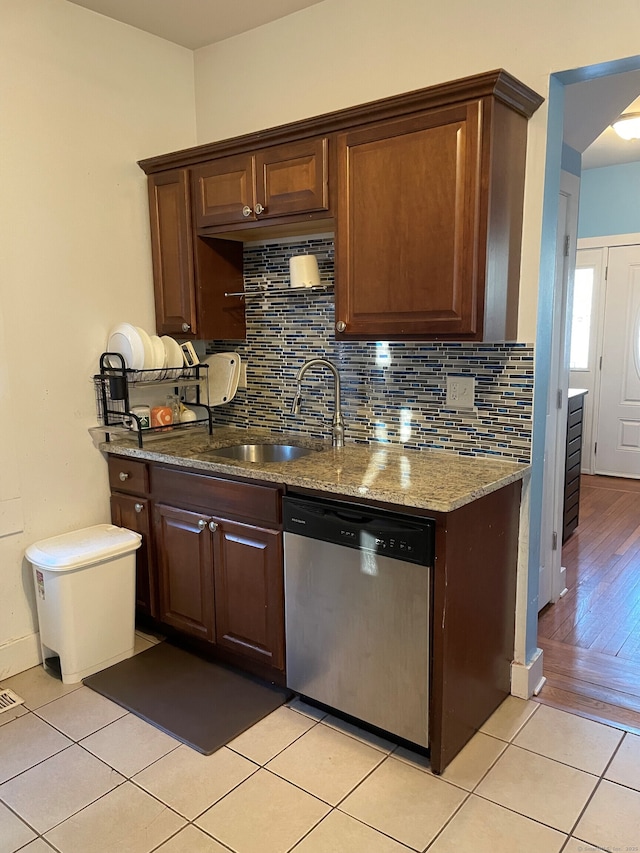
172	252
285	180
406	242
429	225
191	274
424	192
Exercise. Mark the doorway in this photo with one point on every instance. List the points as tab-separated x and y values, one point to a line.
587	636
605	352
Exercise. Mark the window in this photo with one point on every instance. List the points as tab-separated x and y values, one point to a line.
581	318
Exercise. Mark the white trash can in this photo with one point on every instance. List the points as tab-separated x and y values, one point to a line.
85	591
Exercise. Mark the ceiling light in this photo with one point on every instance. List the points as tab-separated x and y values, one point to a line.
628	126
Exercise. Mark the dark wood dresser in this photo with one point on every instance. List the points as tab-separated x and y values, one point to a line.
575	420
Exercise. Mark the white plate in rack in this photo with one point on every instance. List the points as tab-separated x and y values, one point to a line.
124	339
148	348
175	360
159	355
224	373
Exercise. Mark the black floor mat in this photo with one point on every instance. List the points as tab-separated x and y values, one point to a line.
201	703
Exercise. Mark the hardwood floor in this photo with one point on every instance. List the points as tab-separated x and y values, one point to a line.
591	637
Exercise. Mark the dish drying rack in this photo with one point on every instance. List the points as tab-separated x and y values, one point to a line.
113	405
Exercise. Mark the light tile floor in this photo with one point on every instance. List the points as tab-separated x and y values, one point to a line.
78	774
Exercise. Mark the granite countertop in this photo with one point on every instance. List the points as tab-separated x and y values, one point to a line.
423	479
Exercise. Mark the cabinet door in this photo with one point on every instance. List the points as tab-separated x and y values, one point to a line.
292	178
249	592
408	227
133	513
172	252
224	191
185	563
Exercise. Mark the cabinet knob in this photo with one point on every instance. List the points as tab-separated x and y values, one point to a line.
123	476
246	210
213	526
138	507
341	326
260	209
186	327
202	524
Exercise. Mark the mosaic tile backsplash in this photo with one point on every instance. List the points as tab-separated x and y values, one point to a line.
391	391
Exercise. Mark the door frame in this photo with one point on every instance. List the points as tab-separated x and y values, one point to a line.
554	586
527	675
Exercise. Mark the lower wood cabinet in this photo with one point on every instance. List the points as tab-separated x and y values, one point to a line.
211	566
131	508
249	594
211	563
185	571
221	581
134	513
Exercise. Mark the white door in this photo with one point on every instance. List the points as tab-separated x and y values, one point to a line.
618	430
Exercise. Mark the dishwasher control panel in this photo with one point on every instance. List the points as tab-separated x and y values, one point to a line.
361	527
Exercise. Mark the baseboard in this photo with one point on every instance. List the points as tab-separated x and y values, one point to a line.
527	679
18	655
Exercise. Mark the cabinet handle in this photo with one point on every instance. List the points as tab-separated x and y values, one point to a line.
246	210
260	209
123	476
213	526
138	507
202	524
186	327
341	326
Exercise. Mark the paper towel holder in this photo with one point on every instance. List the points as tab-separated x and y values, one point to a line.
303	271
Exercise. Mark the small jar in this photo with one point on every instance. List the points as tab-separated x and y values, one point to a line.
161	416
173	402
143	413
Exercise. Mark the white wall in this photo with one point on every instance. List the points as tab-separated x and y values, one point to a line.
344	52
81	99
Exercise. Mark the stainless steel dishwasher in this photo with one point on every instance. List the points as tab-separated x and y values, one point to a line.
357	583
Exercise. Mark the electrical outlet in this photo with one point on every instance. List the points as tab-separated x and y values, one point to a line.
461	392
242	380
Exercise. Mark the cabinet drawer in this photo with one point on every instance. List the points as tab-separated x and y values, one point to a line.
572	489
217	496
128	475
575	403
575	417
574	431
574	446
570	502
574	460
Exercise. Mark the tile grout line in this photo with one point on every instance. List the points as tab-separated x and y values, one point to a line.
601	779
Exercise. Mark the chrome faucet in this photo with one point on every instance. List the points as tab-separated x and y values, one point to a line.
337	424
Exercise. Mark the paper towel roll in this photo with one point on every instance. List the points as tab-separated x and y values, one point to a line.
303	270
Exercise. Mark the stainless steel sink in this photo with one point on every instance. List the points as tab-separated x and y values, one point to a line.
261	452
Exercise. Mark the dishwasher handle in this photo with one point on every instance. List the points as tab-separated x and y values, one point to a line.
326	512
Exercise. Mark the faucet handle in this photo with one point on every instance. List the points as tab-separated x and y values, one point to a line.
297	401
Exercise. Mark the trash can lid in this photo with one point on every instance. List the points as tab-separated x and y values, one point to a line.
84	547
